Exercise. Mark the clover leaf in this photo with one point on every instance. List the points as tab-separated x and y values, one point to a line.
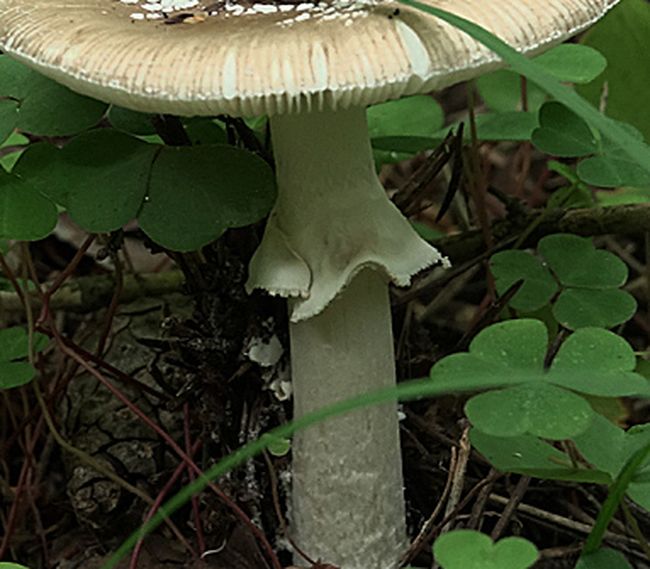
539	409
591	278
183	197
605	308
587	279
14	347
532	456
609	447
539	286
574	63
563	133
25	213
44	107
8	118
534	400
576	262
467	549
603	559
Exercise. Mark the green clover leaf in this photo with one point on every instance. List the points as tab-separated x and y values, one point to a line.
537	409
14	345
44	107
603	559
588	280
467	549
530	456
535	401
539	286
609	447
563	133
577	263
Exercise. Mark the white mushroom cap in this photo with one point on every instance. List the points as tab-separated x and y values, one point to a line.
250	58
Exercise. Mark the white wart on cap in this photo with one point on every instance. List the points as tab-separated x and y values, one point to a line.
256	57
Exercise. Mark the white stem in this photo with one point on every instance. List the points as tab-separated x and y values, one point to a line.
332	217
332	243
348	505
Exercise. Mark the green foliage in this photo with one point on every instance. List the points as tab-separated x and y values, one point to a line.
539	286
530	456
25	213
573	63
541	402
410	119
201	131
131	122
184	197
106	177
467	549
501	91
510	125
538	409
5	565
609	448
278	446
44	107
616	495
563	133
13	147
587	279
14	348
577	263
8	117
196	193
420	115
622	36
100	177
603	559
620	137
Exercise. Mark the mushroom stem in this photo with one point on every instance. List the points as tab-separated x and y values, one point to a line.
332	217
332	243
348	504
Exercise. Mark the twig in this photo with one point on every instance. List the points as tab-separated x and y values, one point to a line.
509	510
157	503
86	294
196	511
561	521
458	480
479	506
112	307
457	484
423	535
622	220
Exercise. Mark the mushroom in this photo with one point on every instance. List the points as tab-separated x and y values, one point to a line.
334	241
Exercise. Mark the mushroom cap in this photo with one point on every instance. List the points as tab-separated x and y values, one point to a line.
243	57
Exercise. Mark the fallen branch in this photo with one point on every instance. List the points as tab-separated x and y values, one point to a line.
621	220
86	294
